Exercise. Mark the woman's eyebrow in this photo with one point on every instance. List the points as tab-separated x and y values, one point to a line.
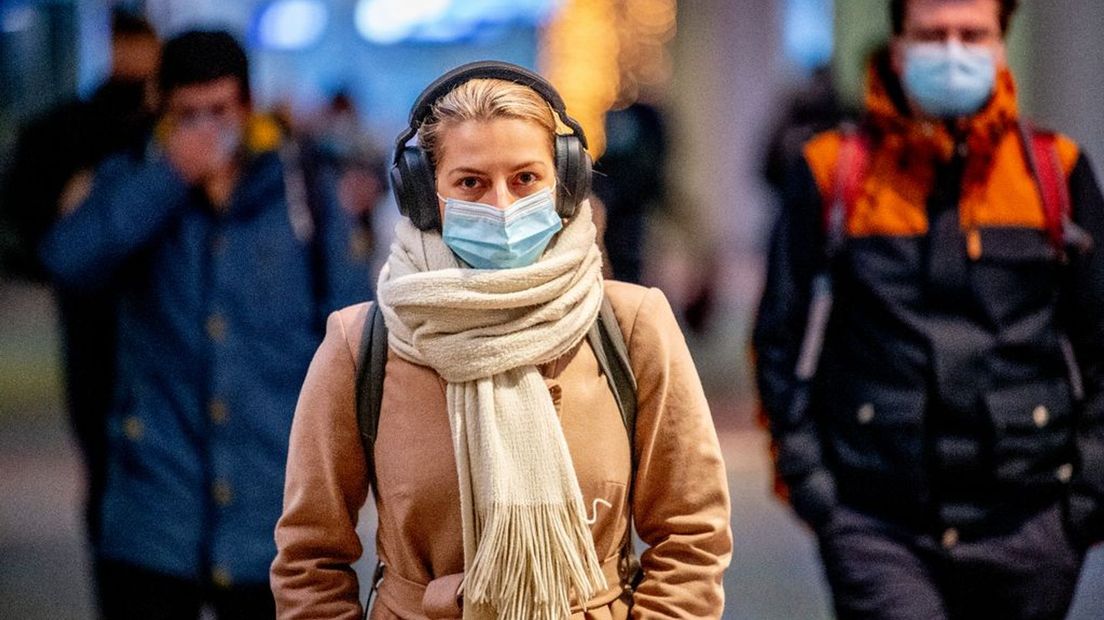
466	170
528	164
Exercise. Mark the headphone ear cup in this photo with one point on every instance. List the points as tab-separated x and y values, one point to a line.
573	172
413	184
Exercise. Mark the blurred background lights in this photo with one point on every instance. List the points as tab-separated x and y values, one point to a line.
807	32
445	21
17	19
391	21
603	54
291	24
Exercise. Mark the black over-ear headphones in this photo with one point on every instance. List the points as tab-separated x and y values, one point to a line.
412	175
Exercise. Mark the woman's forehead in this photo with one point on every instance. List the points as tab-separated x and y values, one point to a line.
482	142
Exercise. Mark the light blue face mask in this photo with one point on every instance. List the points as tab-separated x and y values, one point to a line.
487	237
949	80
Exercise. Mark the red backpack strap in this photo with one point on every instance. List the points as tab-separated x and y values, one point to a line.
1041	148
851	166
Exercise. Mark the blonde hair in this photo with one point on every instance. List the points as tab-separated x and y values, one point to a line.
483	99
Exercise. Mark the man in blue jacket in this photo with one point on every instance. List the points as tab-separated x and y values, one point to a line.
227	254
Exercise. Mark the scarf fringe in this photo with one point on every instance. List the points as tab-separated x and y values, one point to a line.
515	572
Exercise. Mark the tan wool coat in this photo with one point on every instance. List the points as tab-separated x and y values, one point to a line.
680	503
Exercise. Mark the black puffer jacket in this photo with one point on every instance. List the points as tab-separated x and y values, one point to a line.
947	394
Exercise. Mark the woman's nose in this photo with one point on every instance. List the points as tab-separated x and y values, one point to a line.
500	195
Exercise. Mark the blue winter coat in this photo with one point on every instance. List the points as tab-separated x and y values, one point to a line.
218	318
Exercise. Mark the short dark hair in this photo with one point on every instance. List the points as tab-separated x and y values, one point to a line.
897	14
126	23
201	56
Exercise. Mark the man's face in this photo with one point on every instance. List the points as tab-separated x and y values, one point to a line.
208	120
217	103
969	22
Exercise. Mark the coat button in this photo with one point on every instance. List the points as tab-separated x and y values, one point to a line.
1064	472
133	428
217	411
865	414
222	493
216	327
1041	416
950	538
221	577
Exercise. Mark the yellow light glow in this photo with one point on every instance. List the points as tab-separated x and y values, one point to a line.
579	57
602	53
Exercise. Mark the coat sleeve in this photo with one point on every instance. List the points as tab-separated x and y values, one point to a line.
680	492
325	487
130	204
794	260
1084	308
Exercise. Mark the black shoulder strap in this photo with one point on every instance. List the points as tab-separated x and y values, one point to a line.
605	339
369	385
609	347
608	344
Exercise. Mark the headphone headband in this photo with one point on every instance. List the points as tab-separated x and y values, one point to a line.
484	69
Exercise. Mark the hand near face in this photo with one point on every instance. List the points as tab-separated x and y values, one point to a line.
205	132
193	151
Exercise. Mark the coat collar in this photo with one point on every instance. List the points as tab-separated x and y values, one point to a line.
889	117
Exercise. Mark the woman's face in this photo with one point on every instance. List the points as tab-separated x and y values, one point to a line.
495	162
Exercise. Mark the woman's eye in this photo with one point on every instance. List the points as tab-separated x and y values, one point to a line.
469	183
527	178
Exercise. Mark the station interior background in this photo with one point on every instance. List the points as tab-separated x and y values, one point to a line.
723	73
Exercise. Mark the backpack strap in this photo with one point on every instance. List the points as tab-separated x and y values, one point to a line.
604	336
608	344
1041	154
609	347
851	168
369	386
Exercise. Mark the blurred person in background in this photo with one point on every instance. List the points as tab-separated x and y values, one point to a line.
814	108
50	174
505	467
630	181
342	144
931	338
630	184
226	255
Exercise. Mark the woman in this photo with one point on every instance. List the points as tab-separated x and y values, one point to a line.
505	475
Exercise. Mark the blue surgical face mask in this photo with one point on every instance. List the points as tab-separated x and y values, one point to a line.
949	80
487	237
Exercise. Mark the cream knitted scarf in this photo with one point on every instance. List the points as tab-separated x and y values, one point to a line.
527	547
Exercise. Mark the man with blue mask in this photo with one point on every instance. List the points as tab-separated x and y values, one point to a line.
931	337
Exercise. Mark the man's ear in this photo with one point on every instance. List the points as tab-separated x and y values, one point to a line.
1001	58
